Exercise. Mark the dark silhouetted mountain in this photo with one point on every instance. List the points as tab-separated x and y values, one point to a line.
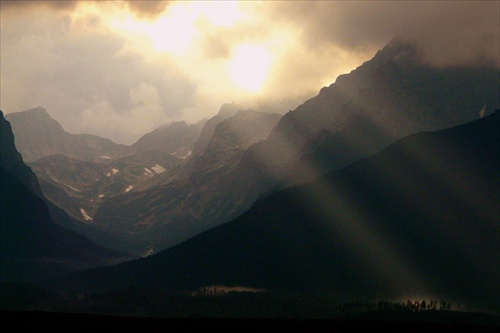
166	215
32	245
11	160
417	220
38	135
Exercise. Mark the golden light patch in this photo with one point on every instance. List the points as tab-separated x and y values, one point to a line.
249	66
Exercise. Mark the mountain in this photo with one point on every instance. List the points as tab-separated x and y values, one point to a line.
226	111
416	220
32	245
390	96
37	135
79	172
167	214
176	138
80	186
393	95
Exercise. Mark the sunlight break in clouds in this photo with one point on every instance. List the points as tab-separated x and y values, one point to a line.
81	60
250	66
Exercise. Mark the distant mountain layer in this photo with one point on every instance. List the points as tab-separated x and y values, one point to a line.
38	135
32	245
417	220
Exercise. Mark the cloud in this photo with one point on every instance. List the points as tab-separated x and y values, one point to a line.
449	32
55	5
86	60
145	114
147	9
71	66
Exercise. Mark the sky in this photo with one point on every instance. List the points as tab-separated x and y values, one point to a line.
120	69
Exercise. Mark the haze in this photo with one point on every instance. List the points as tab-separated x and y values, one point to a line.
122	68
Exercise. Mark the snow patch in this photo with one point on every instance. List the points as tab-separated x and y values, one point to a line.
148	171
129	188
158	168
71	187
177	154
101	195
106	157
115	171
86	216
108	174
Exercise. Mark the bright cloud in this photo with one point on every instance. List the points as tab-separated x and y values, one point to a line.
121	68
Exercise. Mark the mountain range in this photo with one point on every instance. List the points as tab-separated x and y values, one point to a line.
239	156
393	95
418	219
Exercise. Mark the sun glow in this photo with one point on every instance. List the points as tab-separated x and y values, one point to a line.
176	29
250	66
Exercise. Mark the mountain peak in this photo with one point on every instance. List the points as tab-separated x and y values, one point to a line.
397	49
34	112
228	109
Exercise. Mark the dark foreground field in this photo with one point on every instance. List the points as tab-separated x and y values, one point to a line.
65	322
25	308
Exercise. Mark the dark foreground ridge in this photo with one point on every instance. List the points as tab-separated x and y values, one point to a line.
60	322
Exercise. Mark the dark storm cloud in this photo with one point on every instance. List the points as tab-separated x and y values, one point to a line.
20	4
141	8
147	9
449	32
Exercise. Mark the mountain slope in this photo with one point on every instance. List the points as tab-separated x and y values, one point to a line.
168	214
176	138
226	111
75	184
393	95
32	245
38	135
419	219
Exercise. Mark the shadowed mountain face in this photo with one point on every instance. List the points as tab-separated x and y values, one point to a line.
226	111
32	245
167	214
418	219
80	187
393	95
176	138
